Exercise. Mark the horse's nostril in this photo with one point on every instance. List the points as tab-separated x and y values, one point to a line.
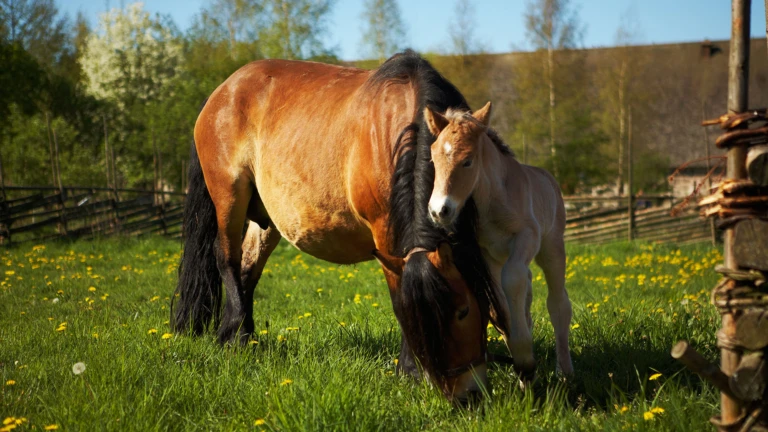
445	211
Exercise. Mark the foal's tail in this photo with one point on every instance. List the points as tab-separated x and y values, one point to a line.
199	288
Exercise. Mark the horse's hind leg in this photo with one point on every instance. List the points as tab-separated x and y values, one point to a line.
257	246
231	197
551	259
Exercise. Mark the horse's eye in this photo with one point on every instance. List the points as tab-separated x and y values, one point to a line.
467	163
462	313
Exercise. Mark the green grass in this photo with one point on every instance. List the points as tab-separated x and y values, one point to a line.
337	352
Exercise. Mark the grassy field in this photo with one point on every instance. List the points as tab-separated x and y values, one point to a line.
323	358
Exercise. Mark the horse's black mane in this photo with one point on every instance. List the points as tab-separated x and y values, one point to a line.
425	300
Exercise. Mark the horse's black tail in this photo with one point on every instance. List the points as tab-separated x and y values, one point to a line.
199	288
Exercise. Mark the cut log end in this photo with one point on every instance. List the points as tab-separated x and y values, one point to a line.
757	165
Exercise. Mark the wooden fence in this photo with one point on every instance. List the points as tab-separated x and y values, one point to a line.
614	222
44	213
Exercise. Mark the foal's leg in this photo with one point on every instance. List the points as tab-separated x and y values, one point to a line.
516	283
231	196
551	259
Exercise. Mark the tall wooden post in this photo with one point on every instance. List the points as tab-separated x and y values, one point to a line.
630	179
738	80
5	230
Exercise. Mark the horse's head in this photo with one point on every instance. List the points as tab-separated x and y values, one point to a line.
444	322
456	154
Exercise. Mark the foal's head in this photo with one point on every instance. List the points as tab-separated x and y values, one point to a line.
443	321
456	154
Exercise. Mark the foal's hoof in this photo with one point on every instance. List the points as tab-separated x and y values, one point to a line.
409	370
526	378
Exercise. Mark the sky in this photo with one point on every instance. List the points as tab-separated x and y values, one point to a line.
500	26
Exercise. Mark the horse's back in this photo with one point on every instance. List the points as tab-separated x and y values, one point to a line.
300	132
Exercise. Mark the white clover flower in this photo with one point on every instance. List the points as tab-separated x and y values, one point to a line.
78	368
55	300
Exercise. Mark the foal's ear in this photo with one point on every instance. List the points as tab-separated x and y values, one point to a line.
436	122
392	263
483	115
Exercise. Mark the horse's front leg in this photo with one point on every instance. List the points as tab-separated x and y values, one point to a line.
516	282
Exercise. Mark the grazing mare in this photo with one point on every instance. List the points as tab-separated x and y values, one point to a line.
521	218
336	161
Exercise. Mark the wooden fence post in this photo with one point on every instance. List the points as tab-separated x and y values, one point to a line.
5	230
630	193
738	81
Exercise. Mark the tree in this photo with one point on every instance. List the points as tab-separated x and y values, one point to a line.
462	29
132	63
233	22
293	29
384	32
37	26
551	25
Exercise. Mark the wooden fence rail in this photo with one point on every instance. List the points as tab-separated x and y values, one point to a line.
604	225
43	213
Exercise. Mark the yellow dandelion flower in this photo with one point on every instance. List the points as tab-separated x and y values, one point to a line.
623	409
654	377
657	410
151	331
95	335
281	338
259	422
92	289
61	327
264	332
155	298
51	427
307	314
254	342
375	305
575	326
167	335
648	415
10	382
10	273
343	324
286	382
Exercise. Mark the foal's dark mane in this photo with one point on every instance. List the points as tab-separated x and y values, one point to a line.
424	304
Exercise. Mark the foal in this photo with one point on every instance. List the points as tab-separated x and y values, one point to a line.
521	217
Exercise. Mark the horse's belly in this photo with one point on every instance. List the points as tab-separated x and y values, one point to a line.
326	231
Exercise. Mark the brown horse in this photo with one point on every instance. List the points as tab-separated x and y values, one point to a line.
336	161
521	217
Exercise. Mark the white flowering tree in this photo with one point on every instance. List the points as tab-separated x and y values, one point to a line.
133	62
132	57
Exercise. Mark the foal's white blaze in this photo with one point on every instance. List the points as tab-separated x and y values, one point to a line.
447	147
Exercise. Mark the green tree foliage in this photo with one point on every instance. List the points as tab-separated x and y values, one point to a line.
383	31
293	29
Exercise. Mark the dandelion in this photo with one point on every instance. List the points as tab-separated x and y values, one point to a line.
264	332
92	289
151	331
259	422
307	315
654	377
575	326
10	382
155	298
648	415
78	368
95	335
254	342
623	409
166	335
286	382
281	338
51	427
61	327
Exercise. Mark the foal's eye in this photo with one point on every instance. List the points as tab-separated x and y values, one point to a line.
467	163
462	313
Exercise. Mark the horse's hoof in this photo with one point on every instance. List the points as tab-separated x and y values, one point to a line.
526	378
411	371
236	333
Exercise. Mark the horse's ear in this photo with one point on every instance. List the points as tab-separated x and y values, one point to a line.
483	115
442	258
436	122
392	263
